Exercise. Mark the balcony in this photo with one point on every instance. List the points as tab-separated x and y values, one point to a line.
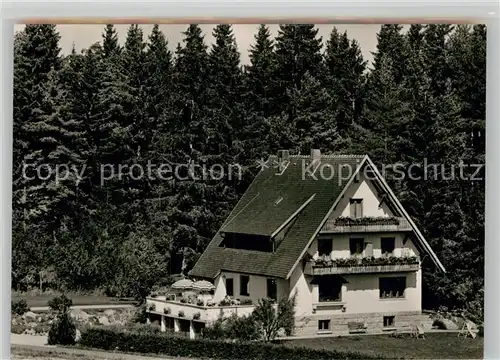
370	265
366	225
199	313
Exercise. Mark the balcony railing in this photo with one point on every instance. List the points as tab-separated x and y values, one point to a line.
326	266
366	224
185	311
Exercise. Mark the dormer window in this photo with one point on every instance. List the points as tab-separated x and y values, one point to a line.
356	208
247	242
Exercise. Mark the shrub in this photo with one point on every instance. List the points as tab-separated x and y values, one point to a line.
60	303
18	328
272	320
215	331
203	348
42	328
146	329
243	328
140	315
63	330
19	307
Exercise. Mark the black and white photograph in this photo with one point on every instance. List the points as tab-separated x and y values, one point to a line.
245	191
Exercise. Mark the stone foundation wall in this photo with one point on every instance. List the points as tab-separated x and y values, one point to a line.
308	326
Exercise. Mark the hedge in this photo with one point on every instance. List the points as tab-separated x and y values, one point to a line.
203	348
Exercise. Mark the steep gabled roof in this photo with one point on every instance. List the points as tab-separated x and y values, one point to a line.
272	201
260	212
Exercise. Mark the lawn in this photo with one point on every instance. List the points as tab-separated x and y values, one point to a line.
435	346
42	300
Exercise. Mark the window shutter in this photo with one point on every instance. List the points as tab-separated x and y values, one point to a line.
359	210
353	209
368	249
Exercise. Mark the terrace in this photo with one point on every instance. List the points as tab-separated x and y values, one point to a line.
198	310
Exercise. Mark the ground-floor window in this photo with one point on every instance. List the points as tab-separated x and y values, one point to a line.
389	321
329	290
392	287
323	325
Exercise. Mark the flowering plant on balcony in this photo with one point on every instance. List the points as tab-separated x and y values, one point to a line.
326	261
347	221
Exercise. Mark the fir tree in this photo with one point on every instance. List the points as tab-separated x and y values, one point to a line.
390	42
297	52
344	75
110	43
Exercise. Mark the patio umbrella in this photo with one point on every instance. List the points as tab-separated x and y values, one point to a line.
203	286
184	284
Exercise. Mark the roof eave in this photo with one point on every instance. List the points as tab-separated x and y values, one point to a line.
420	237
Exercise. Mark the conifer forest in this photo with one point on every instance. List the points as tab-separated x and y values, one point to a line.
139	101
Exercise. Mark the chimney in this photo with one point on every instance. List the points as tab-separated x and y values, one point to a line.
283	155
315	155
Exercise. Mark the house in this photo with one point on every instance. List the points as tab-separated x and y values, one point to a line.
328	230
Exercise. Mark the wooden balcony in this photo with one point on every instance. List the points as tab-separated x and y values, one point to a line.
361	266
366	225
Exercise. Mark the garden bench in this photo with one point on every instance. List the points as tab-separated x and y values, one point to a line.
356	327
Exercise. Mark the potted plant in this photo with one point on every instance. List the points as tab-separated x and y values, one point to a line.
196	316
166	311
181	313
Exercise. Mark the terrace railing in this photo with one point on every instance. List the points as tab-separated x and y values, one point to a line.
327	266
366	224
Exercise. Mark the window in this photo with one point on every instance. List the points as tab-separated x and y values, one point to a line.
392	287
356	208
323	325
387	245
388	321
325	247
247	242
244	281
329	291
229	287
272	289
356	246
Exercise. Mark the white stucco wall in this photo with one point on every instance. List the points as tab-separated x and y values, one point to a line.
366	191
300	286
362	295
341	249
257	287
